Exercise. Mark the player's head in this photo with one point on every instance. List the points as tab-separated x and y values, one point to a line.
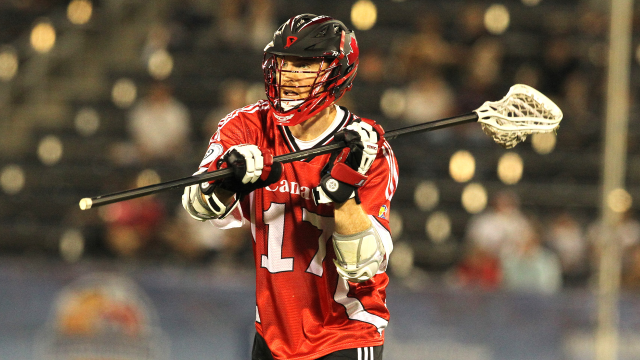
310	63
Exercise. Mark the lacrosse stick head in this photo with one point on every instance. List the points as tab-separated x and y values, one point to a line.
522	112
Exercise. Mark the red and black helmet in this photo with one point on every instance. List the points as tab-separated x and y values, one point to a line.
310	36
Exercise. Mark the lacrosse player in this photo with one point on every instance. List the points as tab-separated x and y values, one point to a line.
320	226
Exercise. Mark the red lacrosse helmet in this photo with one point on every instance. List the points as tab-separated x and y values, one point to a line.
316	37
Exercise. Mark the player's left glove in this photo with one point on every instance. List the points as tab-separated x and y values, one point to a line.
343	176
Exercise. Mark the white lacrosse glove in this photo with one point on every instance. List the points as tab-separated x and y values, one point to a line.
342	177
359	255
203	206
253	168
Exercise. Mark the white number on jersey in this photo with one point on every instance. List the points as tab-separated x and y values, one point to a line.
274	218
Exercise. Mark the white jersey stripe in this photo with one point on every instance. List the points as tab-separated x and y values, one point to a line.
359	353
355	310
385	236
371	352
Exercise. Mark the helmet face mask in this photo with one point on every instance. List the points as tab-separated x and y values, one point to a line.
309	65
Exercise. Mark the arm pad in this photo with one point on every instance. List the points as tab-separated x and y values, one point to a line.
358	255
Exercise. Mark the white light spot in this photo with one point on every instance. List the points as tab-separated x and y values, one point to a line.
124	93
43	36
474	198
462	166
426	195
160	64
364	14
393	103
71	245
12	179
438	227
8	63
50	150
619	200
543	143
87	121
510	168
79	11
496	19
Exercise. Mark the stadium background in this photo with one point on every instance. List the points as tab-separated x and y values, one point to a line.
72	73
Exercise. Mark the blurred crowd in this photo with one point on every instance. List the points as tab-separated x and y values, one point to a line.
441	62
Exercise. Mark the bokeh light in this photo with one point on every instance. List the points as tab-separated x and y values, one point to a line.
364	14
12	179
43	36
87	121
462	166
619	200
543	143
531	2
395	222
50	150
79	11
510	167
438	226
71	245
160	64
124	93
426	195
147	177
8	63
496	19
392	103
474	198
401	263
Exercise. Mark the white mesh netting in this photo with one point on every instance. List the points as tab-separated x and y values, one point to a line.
522	112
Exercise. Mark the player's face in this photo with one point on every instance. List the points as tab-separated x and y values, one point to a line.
299	76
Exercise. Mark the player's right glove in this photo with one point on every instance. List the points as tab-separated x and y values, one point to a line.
253	168
342	177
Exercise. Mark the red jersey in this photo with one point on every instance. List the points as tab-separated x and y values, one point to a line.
304	309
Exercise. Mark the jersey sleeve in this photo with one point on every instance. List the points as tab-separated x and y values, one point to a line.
377	192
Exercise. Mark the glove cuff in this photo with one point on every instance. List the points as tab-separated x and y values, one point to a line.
332	190
344	173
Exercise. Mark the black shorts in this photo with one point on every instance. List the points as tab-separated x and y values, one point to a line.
261	352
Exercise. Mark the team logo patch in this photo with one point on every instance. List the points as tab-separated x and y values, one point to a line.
384	212
212	153
290	41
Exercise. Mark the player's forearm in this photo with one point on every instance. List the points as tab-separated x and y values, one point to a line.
350	218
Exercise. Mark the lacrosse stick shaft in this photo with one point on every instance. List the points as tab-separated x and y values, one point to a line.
88	203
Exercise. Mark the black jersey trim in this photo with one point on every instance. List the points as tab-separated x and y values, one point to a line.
290	140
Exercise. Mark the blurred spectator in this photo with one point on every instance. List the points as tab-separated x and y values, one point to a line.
502	229
532	267
558	62
429	97
627	232
133	227
197	241
233	96
159	125
427	48
567	239
479	269
246	22
631	273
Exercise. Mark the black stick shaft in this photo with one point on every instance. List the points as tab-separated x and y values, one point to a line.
88	203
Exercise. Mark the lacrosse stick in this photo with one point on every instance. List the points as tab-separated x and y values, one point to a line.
522	112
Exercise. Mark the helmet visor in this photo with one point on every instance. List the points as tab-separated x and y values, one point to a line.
293	81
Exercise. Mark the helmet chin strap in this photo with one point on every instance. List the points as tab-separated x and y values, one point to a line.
290	104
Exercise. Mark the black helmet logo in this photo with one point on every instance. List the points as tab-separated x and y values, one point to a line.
290	41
